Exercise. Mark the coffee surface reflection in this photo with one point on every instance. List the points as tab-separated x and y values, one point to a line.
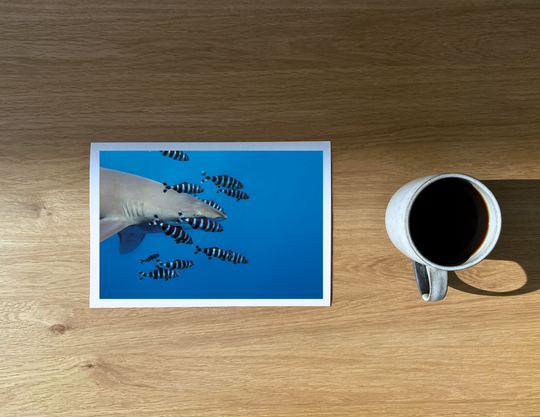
448	221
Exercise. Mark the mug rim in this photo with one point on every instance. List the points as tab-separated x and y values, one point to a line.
486	247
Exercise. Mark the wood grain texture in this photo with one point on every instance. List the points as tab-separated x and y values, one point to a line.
401	88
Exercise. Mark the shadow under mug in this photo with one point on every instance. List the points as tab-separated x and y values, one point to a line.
431	273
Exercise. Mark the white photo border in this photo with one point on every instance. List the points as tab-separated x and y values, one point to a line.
95	148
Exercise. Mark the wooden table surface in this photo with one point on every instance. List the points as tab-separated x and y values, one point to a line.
401	88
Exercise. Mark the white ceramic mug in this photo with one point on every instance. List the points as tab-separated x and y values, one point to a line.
432	277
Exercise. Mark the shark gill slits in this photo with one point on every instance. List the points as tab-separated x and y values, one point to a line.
178	155
224	181
184	187
201	223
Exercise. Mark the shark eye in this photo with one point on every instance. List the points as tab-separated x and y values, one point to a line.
197	214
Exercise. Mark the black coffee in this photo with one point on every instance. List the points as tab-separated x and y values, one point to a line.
448	221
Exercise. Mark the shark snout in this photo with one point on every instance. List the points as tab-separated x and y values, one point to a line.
219	217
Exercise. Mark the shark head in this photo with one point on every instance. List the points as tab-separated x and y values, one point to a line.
129	202
167	206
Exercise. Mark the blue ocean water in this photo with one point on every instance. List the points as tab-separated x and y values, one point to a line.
279	229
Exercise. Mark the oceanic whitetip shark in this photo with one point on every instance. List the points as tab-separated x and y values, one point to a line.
127	204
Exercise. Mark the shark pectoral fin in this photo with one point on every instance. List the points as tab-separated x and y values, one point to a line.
130	240
108	228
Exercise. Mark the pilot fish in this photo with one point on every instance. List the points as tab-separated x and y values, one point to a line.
176	232
178	264
201	223
236	258
160	273
178	155
223	181
239	195
215	205
214	252
184	187
150	258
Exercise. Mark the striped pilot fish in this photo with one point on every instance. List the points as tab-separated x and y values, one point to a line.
176	232
201	223
178	264
151	257
223	181
178	155
184	187
214	252
236	258
239	195
215	205
160	273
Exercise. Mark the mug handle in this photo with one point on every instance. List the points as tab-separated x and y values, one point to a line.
432	282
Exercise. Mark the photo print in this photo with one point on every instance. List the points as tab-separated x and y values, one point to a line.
210	224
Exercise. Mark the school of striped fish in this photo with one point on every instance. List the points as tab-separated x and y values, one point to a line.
227	185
